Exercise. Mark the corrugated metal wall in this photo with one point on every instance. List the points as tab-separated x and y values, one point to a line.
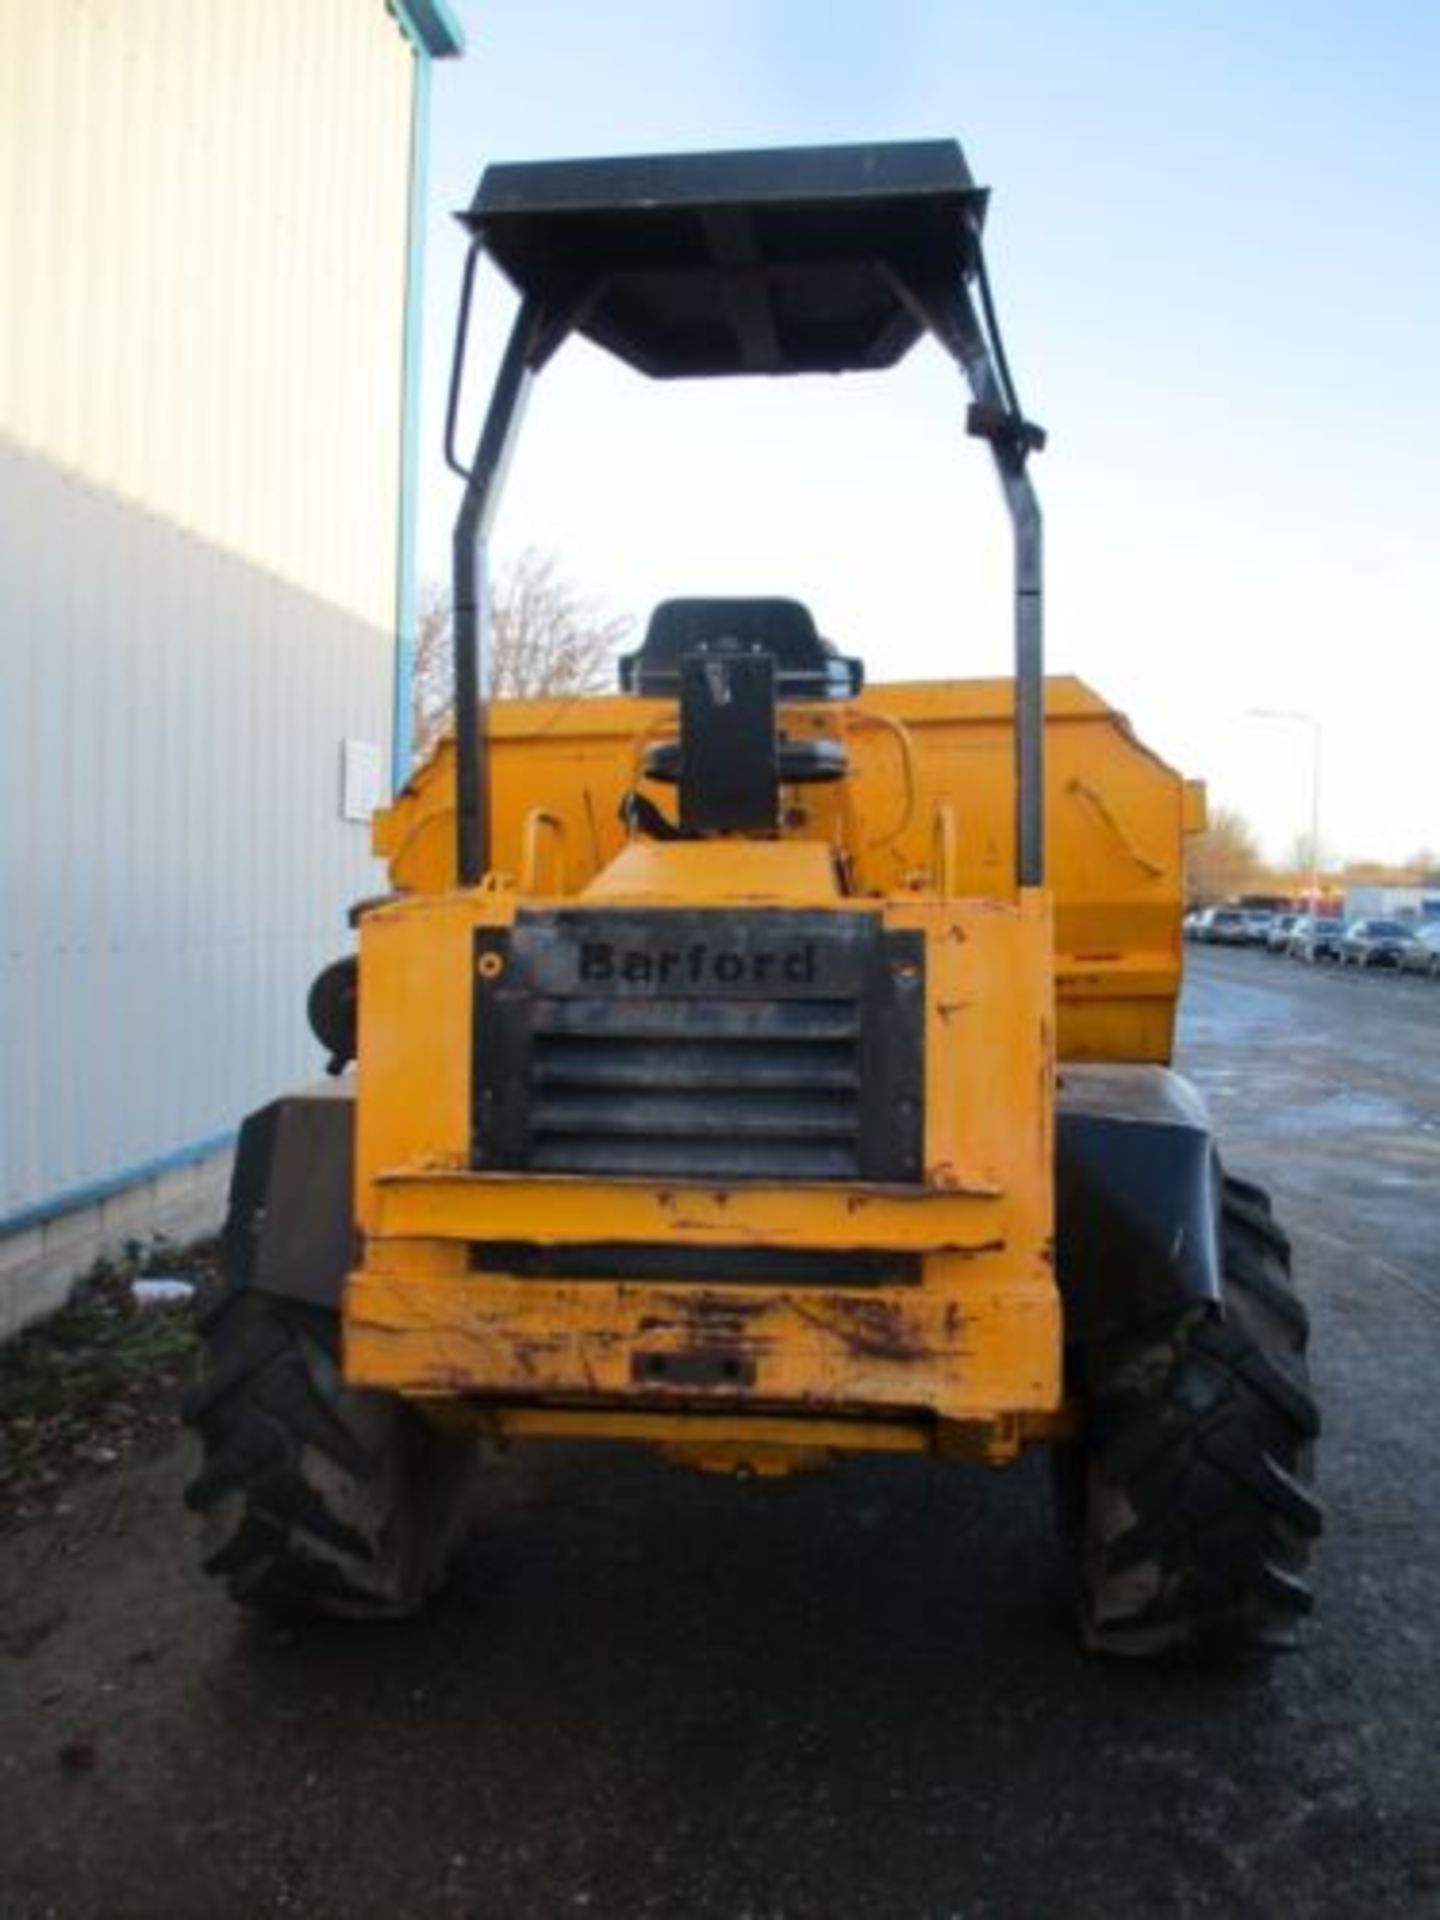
202	246
202	251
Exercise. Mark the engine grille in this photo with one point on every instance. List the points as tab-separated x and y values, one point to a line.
729	1089
708	1045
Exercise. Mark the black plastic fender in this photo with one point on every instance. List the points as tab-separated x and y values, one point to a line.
1137	1190
290	1230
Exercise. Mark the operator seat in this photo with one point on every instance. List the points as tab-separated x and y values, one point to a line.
685	637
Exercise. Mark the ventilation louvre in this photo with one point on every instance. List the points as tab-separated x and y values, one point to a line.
779	1045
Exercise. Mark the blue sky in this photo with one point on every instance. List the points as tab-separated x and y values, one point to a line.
1215	242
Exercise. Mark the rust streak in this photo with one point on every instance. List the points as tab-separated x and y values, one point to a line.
524	1360
681	1223
683	1304
708	1319
868	1329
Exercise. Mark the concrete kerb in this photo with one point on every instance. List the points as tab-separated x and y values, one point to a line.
40	1265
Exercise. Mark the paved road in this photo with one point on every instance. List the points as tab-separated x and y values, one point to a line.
652	1693
1345	1123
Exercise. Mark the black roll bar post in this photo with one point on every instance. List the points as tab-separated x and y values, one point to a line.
526	351
1012	439
950	315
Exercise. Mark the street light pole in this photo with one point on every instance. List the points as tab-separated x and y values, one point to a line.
1304	720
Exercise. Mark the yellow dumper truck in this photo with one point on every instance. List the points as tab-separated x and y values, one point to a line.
759	1064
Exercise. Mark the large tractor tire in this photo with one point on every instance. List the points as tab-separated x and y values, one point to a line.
315	1498
1194	1497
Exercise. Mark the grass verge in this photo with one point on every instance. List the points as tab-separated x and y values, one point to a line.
85	1388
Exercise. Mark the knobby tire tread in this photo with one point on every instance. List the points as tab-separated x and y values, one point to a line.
315	1497
1197	1502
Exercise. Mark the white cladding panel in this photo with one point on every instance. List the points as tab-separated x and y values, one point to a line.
203	220
203	252
177	860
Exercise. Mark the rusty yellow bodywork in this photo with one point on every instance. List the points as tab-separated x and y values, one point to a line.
967	1361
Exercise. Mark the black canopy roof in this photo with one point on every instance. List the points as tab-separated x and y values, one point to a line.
726	263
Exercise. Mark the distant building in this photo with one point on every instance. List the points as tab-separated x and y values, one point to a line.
210	224
1398	902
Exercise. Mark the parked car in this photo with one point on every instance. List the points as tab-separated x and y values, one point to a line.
1277	940
1316	937
1423	953
1223	927
1189	926
1375	943
1258	922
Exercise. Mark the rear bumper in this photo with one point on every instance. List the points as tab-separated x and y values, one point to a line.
975	1339
965	1352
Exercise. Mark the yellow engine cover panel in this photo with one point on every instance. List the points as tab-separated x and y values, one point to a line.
971	1332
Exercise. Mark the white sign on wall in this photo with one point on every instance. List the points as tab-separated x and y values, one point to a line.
360	791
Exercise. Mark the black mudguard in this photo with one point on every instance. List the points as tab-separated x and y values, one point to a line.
290	1230
1137	1187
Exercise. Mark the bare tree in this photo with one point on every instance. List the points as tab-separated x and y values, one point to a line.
1223	860
547	638
432	690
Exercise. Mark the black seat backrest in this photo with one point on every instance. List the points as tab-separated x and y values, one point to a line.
806	667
